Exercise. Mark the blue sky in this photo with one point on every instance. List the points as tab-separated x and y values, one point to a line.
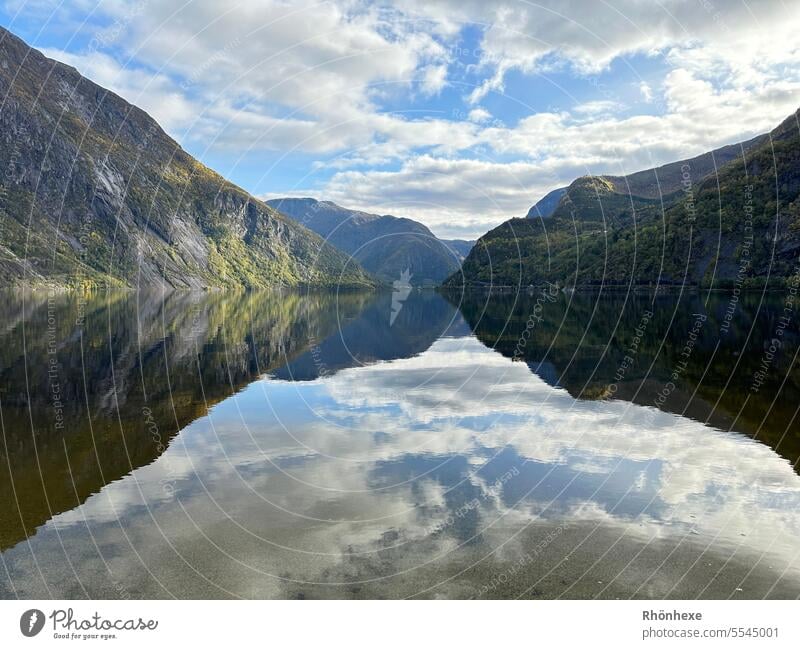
460	114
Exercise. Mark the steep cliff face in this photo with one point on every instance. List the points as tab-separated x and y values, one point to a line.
92	190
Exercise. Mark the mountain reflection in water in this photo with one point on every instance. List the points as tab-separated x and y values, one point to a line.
304	445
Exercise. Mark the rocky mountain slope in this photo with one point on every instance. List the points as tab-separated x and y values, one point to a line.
384	245
93	191
728	218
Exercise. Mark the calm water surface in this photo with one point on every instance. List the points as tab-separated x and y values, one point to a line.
261	445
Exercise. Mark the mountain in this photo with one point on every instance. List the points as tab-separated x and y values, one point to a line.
95	192
728	218
384	245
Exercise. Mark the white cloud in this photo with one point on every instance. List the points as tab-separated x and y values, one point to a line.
324	59
310	64
479	115
599	107
588	35
434	79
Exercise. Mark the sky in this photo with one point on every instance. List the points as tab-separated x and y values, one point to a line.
457	113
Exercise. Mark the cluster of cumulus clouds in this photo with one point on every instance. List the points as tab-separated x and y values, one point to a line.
341	83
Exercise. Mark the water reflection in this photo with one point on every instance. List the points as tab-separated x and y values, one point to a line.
347	456
91	391
588	343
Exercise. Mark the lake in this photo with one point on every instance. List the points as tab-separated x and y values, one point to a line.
356	445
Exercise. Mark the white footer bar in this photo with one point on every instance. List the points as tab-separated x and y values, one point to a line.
406	624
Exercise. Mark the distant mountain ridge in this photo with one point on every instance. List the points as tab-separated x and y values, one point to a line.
384	245
95	192
727	218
